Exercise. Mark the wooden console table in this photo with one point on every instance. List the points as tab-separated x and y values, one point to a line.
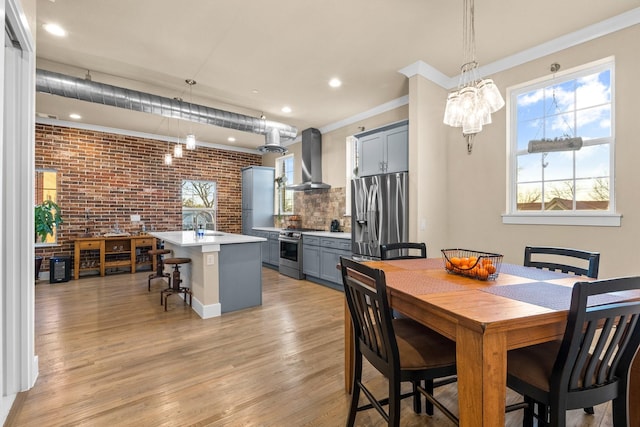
117	251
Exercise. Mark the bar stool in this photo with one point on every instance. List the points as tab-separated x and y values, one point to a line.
175	281
159	266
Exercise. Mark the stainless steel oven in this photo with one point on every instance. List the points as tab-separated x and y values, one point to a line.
291	254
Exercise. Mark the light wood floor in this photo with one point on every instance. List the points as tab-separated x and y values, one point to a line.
110	356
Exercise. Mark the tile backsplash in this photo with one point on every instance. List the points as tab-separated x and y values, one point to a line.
317	208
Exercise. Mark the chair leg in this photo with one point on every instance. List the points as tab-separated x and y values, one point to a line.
527	418
417	397
428	406
355	390
589	410
394	403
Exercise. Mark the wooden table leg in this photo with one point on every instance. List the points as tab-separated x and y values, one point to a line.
634	393
482	377
348	350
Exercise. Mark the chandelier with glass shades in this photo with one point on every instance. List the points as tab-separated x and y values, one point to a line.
470	106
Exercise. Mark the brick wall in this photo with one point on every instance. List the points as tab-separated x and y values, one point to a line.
104	178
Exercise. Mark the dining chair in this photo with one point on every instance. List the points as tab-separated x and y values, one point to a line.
590	365
405	250
561	254
400	349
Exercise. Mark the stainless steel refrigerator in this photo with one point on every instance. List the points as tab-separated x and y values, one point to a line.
379	212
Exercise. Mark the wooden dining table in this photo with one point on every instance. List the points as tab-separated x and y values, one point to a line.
486	318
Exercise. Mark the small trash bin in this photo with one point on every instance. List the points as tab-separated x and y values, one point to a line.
59	269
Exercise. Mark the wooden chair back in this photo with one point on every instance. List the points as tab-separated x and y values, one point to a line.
404	250
592	258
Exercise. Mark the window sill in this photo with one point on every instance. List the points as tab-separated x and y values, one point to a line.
582	219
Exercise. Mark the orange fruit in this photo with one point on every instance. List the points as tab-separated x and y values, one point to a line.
473	260
482	273
490	268
448	265
455	260
486	261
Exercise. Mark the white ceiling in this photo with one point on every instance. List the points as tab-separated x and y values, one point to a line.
286	50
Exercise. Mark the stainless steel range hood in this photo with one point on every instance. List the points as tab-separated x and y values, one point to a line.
311	162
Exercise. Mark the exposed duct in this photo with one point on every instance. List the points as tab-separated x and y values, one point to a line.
101	93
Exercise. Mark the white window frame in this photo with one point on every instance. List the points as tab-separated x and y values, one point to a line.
581	217
351	156
288	193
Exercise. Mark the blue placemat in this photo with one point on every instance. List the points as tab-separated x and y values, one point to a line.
554	297
534	273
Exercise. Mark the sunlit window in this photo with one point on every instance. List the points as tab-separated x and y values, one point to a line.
46	188
198	204
561	143
284	177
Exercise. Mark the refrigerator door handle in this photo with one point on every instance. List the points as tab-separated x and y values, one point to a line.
374	204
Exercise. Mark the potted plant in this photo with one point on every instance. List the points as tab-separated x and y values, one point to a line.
46	217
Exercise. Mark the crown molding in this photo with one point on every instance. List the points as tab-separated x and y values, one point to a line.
583	35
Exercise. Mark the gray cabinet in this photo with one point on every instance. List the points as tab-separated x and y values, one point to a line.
321	256
330	252
257	198
384	150
270	247
311	255
274	248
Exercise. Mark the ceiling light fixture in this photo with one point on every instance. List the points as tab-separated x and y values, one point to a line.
335	82
286	109
75	116
231	139
55	30
470	106
190	139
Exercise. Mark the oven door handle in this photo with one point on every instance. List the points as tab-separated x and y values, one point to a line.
288	240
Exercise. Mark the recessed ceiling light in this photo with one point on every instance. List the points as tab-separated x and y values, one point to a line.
231	139
286	109
335	82
75	116
255	91
55	29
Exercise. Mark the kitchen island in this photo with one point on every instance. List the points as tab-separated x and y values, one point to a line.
225	273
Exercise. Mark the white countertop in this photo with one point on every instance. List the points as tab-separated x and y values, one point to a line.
336	235
188	238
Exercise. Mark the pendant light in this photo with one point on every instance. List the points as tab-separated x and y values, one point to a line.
190	140
470	106
177	149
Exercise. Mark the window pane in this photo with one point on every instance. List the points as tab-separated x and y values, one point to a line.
530	167
530	196
593	161
559	126
558	195
594	122
560	98
531	105
528	130
594	89
558	165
